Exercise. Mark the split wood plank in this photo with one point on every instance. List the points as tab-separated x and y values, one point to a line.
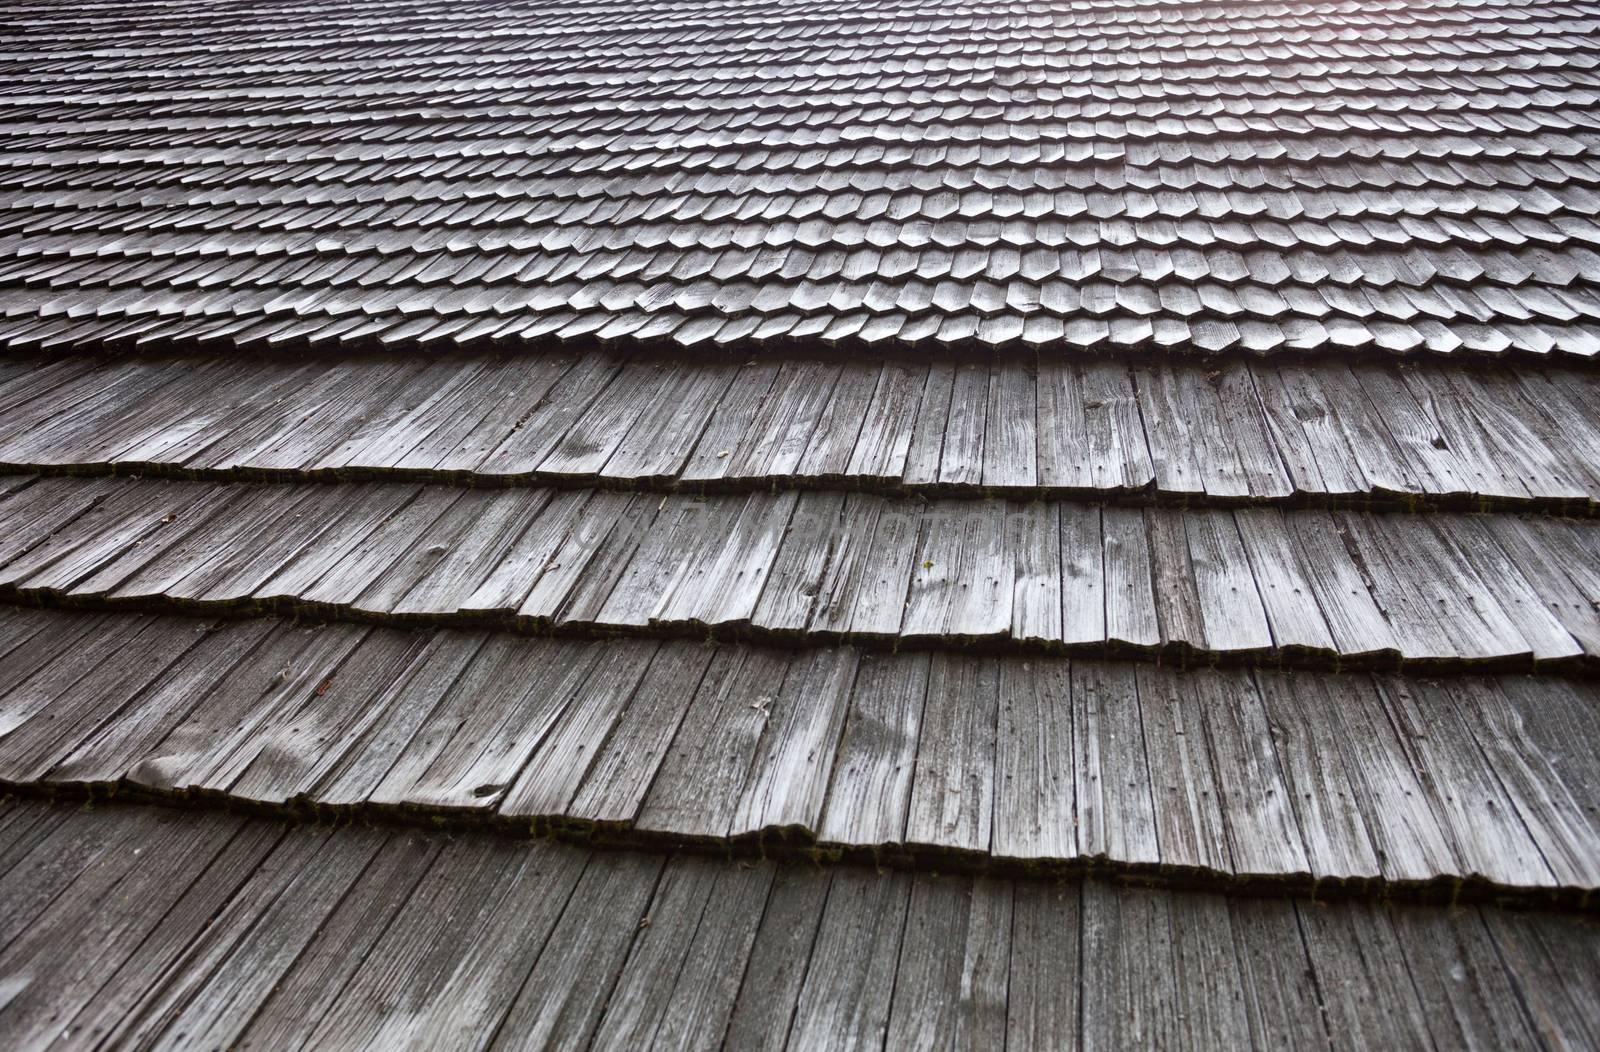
950	986
870	792
550	416
351	774
813	541
961	453
1357	957
522	388
1230	604
1169	424
779	959
1034	538
1130	596
833	440
1466	994
784	425
661	440
1358	625
788	780
1327	807
1011	444
1129	989
1116	806
1176	592
1185	785
883	447
845	999
1043	988
598	431
1263	836
1034	808
558	765
953	787
668	550
678	987
449	954
1489	835
732	420
1534	741
1281	582
490	721
621	772
702	776
1281	998
963	579
725	585
877	587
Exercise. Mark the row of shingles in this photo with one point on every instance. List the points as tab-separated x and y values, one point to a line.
1012	188
1231	71
141	70
351	17
78	120
393	200
305	46
1294	779
90	121
369	320
1229	432
1290	88
221	929
1153	166
1171	96
443	295
1026	123
769	24
412	325
776	42
350	301
1450	271
461	128
1214	281
1408	309
490	207
1440	591
1229	88
1207	317
1228	68
1244	65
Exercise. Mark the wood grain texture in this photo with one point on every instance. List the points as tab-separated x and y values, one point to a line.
297	936
1234	432
1279	776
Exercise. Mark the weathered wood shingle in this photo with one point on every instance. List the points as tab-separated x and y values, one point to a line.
698	523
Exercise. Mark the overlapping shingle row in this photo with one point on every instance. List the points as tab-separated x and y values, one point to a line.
252	934
1335	587
923	760
1227	433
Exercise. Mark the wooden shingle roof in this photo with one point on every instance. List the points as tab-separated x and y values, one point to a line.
1031	523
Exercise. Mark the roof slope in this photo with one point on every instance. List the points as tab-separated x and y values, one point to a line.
1065	523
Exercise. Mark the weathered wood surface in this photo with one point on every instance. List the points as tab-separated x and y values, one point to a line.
711	176
869	467
1239	774
1480	437
149	927
1299	586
